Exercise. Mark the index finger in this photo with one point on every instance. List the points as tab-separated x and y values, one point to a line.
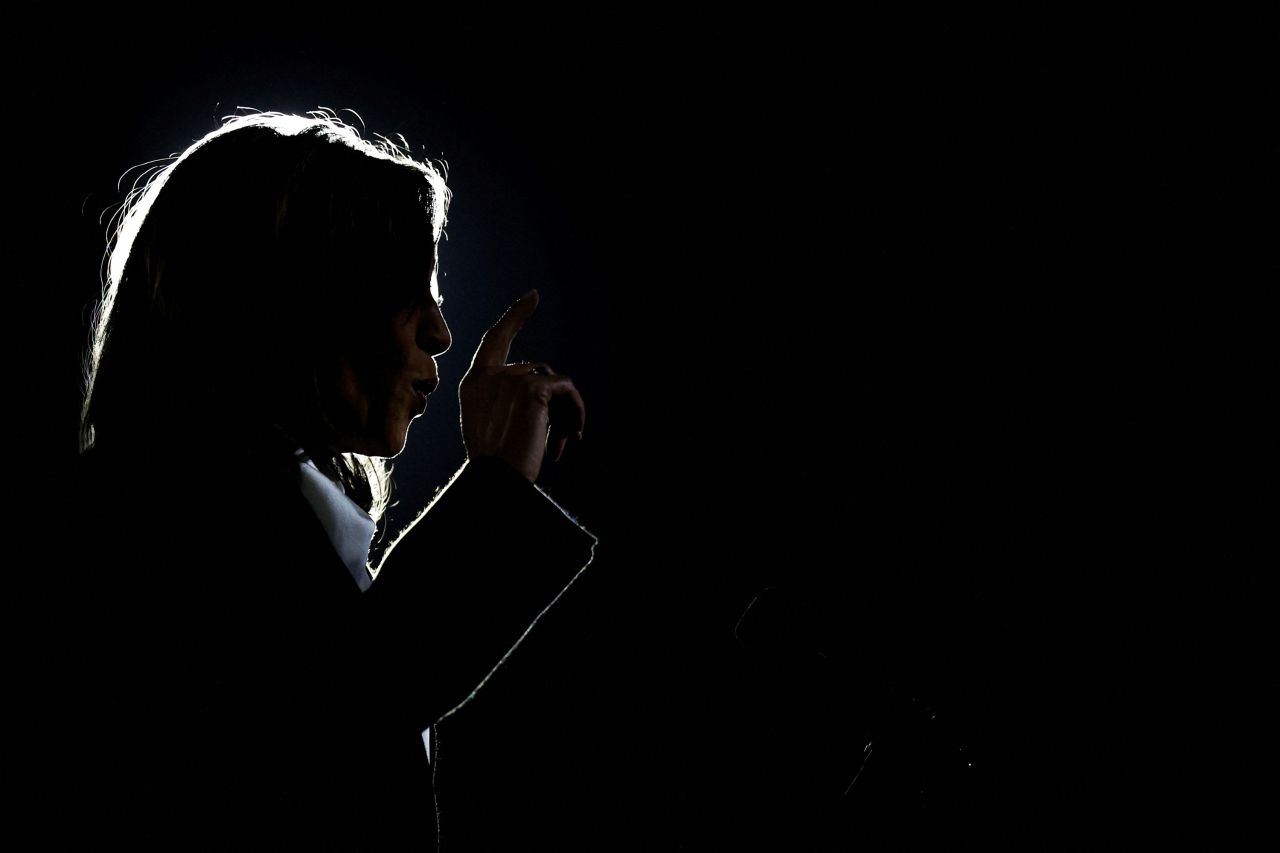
495	345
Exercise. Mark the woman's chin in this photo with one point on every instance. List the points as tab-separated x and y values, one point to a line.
387	448
397	444
389	452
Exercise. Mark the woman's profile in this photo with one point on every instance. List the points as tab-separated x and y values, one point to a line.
230	668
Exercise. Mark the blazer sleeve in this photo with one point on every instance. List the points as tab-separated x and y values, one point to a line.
460	588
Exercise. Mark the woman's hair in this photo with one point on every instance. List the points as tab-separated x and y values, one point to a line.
239	271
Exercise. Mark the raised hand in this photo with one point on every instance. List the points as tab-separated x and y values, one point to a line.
516	411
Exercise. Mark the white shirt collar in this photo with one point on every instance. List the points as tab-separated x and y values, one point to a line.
350	528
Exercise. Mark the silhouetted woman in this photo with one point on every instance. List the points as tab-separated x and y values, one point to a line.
223	668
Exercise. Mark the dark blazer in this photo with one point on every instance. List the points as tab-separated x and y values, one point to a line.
208	674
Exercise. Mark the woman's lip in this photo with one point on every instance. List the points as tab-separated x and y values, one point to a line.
421	399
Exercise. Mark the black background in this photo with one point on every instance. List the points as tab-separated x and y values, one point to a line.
858	311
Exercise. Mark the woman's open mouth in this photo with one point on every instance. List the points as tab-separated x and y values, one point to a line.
421	389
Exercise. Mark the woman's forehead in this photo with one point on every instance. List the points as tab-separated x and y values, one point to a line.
410	253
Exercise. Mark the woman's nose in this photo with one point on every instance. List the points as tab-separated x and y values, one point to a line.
433	336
